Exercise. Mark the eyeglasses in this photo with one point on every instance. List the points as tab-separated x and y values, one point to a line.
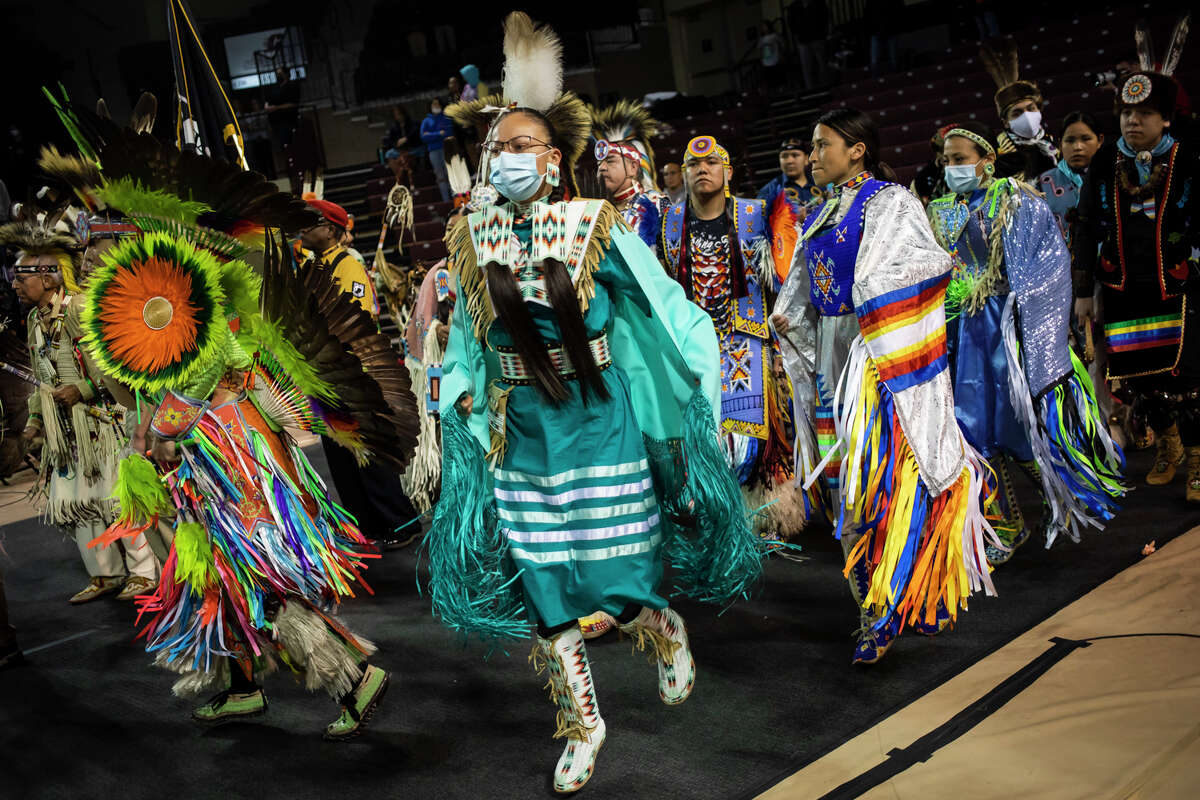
712	161
517	144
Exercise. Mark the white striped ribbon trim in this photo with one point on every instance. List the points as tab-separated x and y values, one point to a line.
551	481
578	515
585	534
571	495
915	332
599	554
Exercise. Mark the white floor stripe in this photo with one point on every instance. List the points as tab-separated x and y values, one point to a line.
57	642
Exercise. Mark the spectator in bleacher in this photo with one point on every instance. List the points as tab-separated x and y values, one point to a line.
1117	74
985	18
794	182
770	50
454	89
283	108
472	87
881	19
466	138
809	21
373	494
1026	150
347	240
672	182
435	130
401	142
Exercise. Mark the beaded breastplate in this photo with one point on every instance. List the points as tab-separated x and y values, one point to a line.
832	251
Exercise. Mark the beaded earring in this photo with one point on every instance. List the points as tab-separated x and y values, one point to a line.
553	174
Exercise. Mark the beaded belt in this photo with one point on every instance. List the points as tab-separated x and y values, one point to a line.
514	370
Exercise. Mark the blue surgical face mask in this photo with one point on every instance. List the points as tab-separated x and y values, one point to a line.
961	178
515	175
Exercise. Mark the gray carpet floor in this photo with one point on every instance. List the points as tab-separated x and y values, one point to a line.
88	717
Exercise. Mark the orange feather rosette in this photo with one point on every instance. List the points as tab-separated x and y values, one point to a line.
154	312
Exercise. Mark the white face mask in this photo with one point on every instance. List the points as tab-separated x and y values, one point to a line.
1028	125
961	178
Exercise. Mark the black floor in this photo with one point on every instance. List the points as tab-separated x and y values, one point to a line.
90	718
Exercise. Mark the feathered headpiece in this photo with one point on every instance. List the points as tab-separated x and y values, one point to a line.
459	176
999	58
628	122
1153	87
212	203
34	239
533	77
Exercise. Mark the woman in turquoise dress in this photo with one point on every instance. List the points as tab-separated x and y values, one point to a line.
581	450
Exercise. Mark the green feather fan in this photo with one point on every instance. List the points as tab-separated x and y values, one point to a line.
71	123
259	333
957	293
194	331
130	197
242	287
193	557
140	492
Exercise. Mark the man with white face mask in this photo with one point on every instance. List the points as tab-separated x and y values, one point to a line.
1025	149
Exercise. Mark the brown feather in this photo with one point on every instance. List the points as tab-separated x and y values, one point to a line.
1145	45
999	57
144	113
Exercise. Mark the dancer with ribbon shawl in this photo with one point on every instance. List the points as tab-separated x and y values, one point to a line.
878	451
1020	393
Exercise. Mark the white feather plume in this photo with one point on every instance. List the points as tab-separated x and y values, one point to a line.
533	72
459	175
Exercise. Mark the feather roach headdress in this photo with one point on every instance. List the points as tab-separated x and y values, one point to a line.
533	77
36	239
629	122
999	58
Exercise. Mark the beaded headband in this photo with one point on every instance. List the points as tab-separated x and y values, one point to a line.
974	137
604	147
37	269
705	146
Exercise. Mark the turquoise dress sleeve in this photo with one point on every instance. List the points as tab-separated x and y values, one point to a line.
464	371
666	343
